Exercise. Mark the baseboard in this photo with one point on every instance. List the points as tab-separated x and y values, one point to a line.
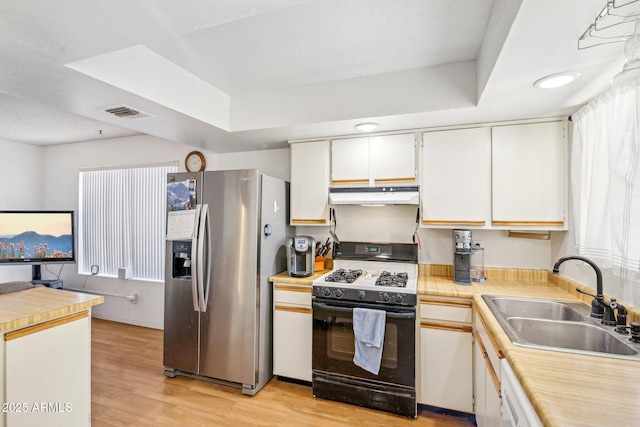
127	320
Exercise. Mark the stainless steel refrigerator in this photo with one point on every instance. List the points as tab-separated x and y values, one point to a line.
226	233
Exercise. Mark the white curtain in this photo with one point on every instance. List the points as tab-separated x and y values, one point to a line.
605	179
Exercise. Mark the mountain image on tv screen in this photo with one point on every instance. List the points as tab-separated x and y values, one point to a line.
35	236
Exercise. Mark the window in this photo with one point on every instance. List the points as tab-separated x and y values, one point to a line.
121	221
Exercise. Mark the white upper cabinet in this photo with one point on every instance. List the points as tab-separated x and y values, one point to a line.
350	161
309	183
374	161
456	177
393	159
529	167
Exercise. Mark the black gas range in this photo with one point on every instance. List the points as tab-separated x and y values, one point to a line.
380	277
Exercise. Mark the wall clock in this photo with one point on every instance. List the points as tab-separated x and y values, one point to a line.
195	162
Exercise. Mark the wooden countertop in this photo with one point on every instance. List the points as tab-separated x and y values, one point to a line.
285	278
37	305
565	389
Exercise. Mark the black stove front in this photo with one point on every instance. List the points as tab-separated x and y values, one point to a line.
336	377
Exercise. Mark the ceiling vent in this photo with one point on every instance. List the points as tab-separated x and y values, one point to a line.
126	112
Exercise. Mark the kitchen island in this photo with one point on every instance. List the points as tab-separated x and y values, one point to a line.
565	389
45	358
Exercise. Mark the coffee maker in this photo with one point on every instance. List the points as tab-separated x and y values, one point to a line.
300	256
462	257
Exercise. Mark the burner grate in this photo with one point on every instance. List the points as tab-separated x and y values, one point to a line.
343	276
396	280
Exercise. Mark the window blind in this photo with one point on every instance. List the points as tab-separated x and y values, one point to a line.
121	221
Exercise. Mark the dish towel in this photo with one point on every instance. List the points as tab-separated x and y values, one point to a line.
368	330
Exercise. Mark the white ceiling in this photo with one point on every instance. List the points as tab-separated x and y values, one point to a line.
237	75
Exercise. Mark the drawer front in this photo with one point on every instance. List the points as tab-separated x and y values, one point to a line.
291	294
447	310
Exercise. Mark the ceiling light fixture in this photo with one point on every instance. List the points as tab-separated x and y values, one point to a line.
556	80
366	127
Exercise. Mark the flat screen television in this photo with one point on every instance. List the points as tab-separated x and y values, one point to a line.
37	237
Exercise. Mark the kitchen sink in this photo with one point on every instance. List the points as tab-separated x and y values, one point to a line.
558	326
540	309
569	335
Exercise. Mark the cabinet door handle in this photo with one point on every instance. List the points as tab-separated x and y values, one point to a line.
403	179
457	304
456	328
494	344
528	223
308	221
293	309
350	181
44	326
494	377
304	289
487	361
483	350
452	222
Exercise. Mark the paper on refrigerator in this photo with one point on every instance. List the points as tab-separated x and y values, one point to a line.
182	225
183	210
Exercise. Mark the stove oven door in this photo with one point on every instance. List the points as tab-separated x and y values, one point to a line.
336	377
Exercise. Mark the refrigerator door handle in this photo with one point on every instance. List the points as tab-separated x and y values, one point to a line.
204	299
202	239
195	263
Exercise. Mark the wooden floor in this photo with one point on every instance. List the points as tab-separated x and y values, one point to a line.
130	389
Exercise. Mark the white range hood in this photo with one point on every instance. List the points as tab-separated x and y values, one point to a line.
375	196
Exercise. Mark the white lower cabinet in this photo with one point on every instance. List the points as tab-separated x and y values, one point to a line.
479	383
446	354
487	389
292	331
47	373
488	399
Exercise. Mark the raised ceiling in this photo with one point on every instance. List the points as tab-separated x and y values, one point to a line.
237	75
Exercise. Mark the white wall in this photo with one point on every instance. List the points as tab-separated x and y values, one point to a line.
398	223
271	162
21	176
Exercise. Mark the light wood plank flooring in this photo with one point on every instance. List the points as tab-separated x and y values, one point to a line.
129	389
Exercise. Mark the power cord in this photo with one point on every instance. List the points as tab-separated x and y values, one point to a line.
59	272
94	271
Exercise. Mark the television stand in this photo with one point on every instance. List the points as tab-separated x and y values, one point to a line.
54	284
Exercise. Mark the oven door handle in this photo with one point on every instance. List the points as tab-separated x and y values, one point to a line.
392	315
411	315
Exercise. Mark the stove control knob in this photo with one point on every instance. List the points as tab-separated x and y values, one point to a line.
399	298
385	297
339	292
327	292
362	294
